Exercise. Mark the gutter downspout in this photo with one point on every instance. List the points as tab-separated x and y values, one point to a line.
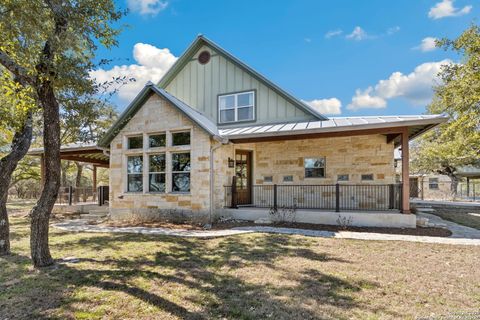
223	141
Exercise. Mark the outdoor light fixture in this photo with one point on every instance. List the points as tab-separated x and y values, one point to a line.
231	162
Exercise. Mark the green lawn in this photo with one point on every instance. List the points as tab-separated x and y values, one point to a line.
255	276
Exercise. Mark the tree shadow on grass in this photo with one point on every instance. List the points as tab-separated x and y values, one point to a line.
204	273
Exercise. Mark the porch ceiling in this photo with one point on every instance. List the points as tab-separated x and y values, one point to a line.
86	153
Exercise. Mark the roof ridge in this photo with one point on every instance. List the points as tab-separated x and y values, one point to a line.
202	39
200	119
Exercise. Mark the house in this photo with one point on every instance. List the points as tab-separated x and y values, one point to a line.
216	138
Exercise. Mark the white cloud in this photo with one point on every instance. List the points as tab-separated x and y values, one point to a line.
416	87
445	8
307	40
326	106
147	7
364	100
333	33
427	44
358	34
153	63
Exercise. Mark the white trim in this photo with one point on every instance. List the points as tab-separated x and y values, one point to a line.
236	107
146	152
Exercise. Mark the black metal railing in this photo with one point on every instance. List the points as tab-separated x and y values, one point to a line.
72	195
338	197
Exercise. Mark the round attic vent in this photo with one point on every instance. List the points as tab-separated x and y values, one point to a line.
204	57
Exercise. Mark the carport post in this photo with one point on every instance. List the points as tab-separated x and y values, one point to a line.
94	181
468	187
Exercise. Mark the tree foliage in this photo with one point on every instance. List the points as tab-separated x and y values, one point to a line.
457	143
49	46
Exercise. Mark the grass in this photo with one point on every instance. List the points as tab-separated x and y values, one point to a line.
15	205
253	276
471	220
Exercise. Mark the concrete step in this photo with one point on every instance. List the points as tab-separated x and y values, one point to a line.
419	205
425	209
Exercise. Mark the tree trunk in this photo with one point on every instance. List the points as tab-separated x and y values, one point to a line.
454	185
78	180
450	172
40	215
20	145
64	169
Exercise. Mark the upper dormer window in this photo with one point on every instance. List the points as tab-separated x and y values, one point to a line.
236	107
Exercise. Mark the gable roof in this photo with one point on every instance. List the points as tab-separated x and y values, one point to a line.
197	117
201	41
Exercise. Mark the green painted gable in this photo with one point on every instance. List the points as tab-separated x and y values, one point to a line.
199	86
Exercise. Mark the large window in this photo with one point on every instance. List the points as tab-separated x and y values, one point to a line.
181	138
236	107
158	162
314	167
134	174
156	177
181	172
135	142
157	140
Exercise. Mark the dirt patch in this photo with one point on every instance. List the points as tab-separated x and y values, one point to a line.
152	224
420	231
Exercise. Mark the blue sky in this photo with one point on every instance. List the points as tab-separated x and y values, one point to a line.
347	58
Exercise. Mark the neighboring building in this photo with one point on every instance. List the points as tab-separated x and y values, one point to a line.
215	134
434	186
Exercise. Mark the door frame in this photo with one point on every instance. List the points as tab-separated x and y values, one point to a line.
249	191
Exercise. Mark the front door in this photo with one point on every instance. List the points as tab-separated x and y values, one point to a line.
243	173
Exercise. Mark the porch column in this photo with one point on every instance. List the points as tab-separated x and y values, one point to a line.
468	187
94	181
405	172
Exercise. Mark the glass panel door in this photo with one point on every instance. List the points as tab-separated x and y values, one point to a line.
243	160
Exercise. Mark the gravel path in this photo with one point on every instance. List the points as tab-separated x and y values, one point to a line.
81	226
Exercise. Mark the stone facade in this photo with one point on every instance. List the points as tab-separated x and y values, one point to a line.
159	116
353	156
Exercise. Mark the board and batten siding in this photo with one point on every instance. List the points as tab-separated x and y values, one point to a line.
199	86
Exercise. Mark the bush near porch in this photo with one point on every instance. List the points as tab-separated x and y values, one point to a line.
255	276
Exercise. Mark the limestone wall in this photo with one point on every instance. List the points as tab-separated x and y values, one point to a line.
352	156
157	115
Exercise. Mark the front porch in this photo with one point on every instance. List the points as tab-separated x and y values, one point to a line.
375	205
333	197
357	218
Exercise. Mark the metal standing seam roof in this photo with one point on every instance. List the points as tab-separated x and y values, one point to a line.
332	125
68	147
81	152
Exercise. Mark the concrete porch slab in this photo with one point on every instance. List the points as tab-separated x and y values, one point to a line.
388	219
